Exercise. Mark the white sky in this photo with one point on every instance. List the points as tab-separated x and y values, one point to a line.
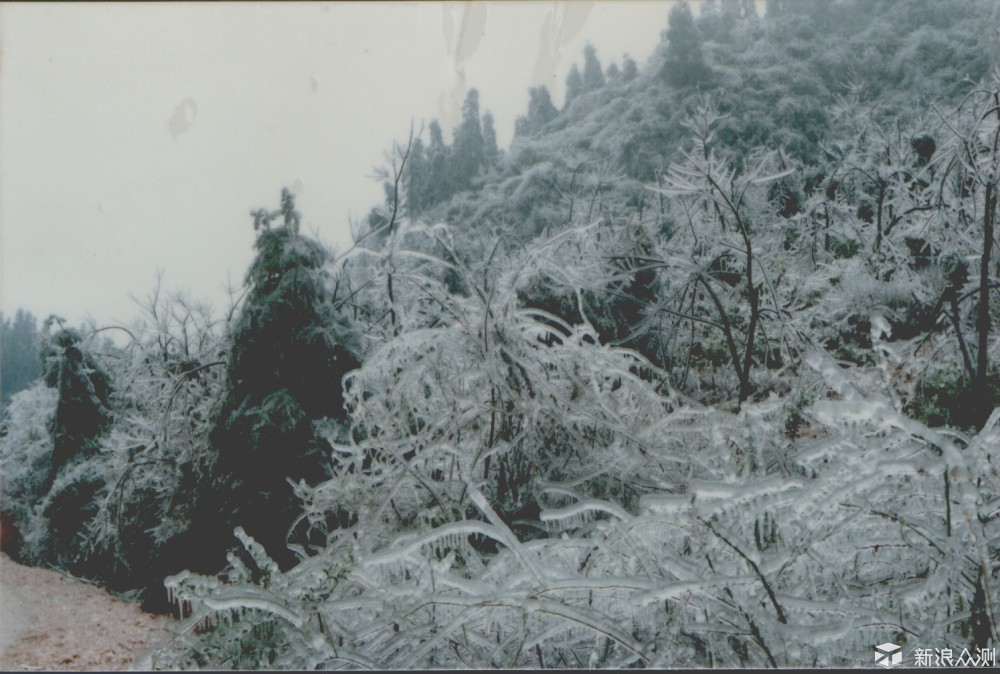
137	137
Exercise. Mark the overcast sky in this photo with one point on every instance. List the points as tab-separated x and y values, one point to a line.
137	137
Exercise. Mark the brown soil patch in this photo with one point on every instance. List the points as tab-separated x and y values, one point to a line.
51	622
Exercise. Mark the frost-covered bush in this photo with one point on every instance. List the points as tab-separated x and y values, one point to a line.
726	545
158	455
26	451
513	493
525	471
722	310
51	507
108	506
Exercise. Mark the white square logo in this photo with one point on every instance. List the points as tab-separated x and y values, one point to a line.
888	655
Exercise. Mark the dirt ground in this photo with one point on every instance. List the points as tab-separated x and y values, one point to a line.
51	622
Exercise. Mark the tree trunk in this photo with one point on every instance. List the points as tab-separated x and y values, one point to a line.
981	389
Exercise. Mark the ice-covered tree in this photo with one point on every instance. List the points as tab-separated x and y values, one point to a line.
629	69
19	348
593	72
574	85
84	409
289	352
685	64
468	148
437	185
613	73
415	179
490	150
724	274
541	111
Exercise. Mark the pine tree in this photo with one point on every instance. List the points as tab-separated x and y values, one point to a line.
490	149
437	185
593	73
19	348
84	409
468	148
541	111
614	74
415	179
574	85
289	352
685	64
82	416
630	70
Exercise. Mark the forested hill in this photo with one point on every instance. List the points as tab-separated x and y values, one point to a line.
785	80
702	371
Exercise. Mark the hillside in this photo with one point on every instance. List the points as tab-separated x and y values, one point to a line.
701	371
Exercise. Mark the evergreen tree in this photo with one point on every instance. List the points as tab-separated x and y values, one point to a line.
415	179
289	353
437	185
468	149
541	111
574	85
629	69
19	350
521	126
84	409
716	23
490	149
614	74
685	64
593	73
83	414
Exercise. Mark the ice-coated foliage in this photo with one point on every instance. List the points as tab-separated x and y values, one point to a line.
521	495
27	448
521	486
701	372
119	495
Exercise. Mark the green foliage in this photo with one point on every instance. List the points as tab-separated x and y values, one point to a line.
289	352
84	409
943	398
